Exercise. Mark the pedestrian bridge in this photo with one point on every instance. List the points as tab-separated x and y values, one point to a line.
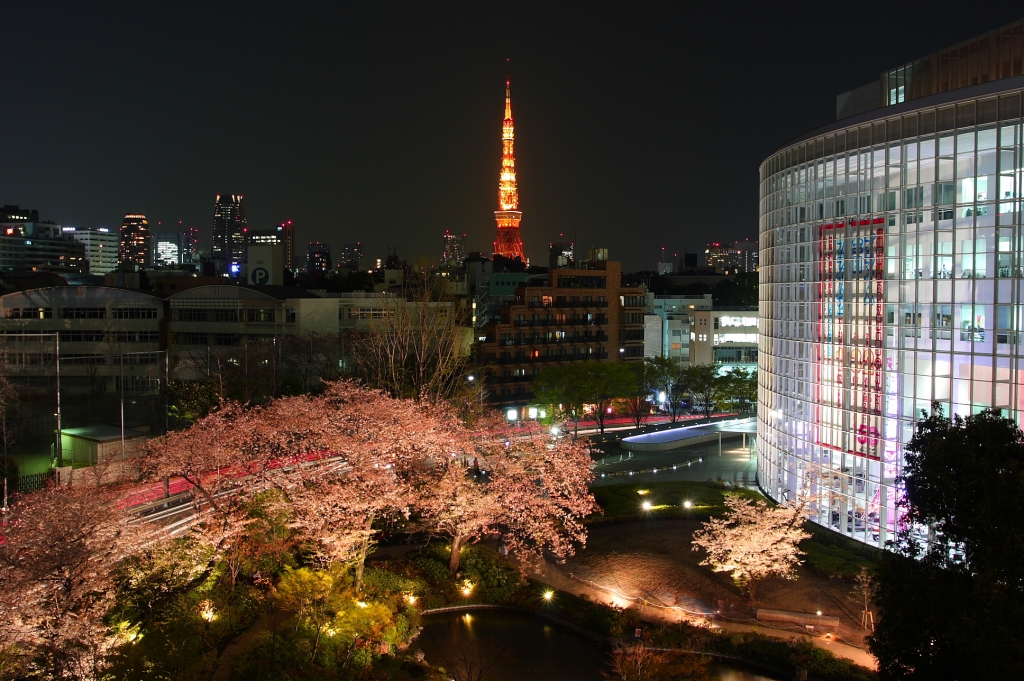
690	435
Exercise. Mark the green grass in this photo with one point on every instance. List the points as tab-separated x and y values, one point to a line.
625	502
830	554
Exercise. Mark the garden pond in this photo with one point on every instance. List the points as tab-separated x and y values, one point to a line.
508	645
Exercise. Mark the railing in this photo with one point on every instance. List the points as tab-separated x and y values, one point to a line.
553	322
549	359
32	482
571	304
603	338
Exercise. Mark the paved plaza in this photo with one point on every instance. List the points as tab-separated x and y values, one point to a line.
736	464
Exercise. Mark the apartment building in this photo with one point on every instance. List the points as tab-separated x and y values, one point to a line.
579	315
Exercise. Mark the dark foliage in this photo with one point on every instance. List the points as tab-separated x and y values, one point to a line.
951	605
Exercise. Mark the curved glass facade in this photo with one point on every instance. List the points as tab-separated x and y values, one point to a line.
891	277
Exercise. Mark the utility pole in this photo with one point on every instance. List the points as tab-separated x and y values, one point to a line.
121	392
60	435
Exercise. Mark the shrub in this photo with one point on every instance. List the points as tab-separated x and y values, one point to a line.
497	580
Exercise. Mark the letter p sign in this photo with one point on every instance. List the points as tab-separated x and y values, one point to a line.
259	276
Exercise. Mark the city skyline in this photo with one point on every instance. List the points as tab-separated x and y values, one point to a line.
327	132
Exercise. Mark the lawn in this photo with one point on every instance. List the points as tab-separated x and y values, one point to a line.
828	554
625	502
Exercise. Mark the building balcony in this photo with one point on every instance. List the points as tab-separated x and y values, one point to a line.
568	304
552	322
603	338
549	359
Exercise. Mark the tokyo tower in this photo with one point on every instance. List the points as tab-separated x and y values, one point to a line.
508	243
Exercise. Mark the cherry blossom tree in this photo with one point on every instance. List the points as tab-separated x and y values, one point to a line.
753	541
235	453
458	505
542	489
387	444
205	455
60	547
352	458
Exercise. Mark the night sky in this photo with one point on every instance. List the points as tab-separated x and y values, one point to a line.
637	127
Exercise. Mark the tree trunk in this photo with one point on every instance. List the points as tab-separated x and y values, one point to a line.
363	548
206	494
455	558
316	643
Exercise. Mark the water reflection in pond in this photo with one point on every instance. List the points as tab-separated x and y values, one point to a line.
508	646
514	645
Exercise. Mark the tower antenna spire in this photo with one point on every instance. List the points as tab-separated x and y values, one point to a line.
508	242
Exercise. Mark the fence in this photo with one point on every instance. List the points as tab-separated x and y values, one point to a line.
32	482
63	386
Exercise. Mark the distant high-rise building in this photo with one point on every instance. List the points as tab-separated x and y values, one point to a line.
172	248
741	256
229	228
454	250
190	252
101	249
136	241
351	256
318	258
12	214
287	229
722	258
561	254
283	235
691	261
749	251
26	243
274	236
508	242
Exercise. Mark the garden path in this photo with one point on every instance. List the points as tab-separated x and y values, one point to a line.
626	563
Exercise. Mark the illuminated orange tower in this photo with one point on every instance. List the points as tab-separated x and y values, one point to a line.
508	243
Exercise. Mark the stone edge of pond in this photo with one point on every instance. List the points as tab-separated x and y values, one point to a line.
611	642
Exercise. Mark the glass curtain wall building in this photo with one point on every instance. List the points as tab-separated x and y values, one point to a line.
891	277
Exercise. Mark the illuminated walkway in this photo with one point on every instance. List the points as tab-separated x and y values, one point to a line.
697	463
